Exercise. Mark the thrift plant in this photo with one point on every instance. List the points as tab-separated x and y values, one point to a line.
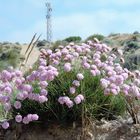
88	70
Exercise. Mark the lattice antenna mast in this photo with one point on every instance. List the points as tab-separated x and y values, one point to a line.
49	23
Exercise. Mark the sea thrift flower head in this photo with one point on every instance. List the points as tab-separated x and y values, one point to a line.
18	73
44	92
64	51
27	88
75	54
94	67
18	82
25	120
8	90
18	118
81	97
50	75
77	100
119	80
17	105
29	116
6	75
55	62
49	52
107	91
93	72
80	76
104	83
69	104
43	84
42	99
72	90
86	65
67	67
114	91
66	99
97	72
5	125
35	117
20	96
76	83
7	106
61	100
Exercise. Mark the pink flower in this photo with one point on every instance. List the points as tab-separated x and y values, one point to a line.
49	51
18	82
17	105
67	67
97	72
94	67
42	99
43	84
18	73
86	65
61	100
5	125
69	104
29	116
18	118
28	88
72	90
6	75
81	97
107	91
20	96
8	90
44	92
35	117
80	76
114	91
77	100
76	83
25	120
93	72
7	106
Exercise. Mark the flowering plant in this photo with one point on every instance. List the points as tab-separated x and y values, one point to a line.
66	80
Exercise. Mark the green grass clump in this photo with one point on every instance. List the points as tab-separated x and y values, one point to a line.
96	104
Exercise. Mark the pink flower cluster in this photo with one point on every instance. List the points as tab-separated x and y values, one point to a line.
95	57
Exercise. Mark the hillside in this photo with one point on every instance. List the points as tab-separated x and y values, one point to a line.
14	53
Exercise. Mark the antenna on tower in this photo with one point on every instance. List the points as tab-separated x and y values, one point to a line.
49	24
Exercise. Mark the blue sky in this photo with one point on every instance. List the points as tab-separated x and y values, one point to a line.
20	19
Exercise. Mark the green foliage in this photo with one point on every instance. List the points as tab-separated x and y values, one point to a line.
136	32
132	61
98	36
73	39
114	34
111	42
57	43
131	45
9	58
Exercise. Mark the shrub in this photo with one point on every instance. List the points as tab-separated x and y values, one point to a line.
131	45
73	39
96	104
10	57
136	32
98	36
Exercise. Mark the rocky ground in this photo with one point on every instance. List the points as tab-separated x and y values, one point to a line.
119	129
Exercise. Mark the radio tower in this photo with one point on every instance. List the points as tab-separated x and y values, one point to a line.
49	24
